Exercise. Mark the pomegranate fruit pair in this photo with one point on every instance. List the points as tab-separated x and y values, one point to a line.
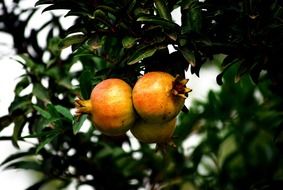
149	110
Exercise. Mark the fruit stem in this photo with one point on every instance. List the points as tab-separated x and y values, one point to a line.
82	106
179	87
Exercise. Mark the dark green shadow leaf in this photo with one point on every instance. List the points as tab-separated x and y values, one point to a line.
17	155
5	121
20	122
86	84
48	139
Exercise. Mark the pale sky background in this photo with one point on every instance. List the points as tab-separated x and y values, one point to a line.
10	71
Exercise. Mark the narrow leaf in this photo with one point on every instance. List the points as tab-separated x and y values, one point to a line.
20	122
5	121
78	124
17	156
170	25
22	85
42	112
20	103
189	56
30	165
141	54
86	84
64	111
40	92
46	141
162	9
70	40
129	42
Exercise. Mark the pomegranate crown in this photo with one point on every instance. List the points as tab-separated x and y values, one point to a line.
179	87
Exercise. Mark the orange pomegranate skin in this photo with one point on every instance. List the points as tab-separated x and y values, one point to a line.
154	132
112	110
153	98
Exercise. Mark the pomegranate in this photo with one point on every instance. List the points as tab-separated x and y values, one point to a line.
110	107
159	97
154	132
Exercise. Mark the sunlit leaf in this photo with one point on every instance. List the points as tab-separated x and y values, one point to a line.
79	123
71	40
40	92
64	111
141	54
42	112
129	42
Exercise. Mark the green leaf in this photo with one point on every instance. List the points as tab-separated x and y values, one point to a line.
21	85
64	111
70	40
189	56
141	54
56	118
129	41
78	124
17	155
86	84
31	165
53	47
42	112
48	139
191	17
20	122
5	121
40	92
162	9
169	25
20	103
107	9
131	5
28	62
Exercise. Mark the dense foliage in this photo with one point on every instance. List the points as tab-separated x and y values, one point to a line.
240	126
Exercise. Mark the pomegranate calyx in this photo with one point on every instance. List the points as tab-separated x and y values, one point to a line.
179	87
82	106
